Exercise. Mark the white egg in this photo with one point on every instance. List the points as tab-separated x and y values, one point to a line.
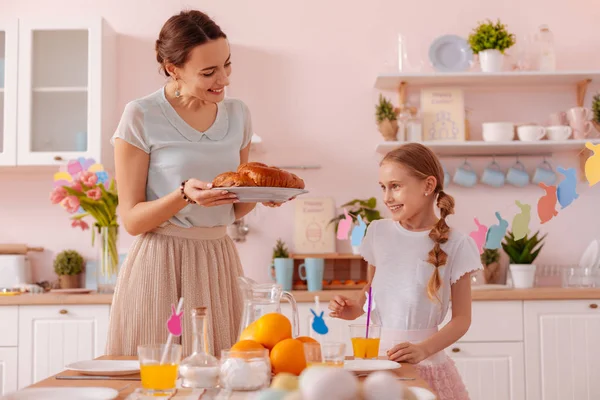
319	383
382	385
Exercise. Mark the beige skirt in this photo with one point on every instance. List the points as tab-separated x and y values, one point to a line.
200	264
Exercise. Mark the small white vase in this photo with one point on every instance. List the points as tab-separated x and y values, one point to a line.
523	275
491	60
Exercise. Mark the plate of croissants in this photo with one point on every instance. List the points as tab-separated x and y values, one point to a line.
258	182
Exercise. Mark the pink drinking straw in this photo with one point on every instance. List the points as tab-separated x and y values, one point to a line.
368	312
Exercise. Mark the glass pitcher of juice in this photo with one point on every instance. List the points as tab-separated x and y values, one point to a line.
264	298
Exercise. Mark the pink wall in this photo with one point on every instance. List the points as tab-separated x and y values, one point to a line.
307	69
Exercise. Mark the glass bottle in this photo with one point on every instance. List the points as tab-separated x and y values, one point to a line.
545	43
414	127
200	369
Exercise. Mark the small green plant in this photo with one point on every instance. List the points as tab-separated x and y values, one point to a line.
524	250
596	107
384	110
491	36
365	208
280	250
68	262
490	256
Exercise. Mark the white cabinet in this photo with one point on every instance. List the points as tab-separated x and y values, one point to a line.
562	349
8	369
491	371
8	91
60	91
50	337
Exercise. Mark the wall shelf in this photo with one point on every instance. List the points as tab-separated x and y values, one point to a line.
489	149
393	81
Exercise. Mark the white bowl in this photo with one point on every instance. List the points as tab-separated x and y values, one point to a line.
498	131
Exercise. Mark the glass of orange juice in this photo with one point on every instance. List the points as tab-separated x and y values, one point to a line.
159	379
326	354
365	347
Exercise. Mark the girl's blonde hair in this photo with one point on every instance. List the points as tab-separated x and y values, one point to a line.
422	163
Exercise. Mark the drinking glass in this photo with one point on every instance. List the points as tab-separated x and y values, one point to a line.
326	354
363	346
158	379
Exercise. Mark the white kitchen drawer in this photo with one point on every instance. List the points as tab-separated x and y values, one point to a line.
494	321
9	321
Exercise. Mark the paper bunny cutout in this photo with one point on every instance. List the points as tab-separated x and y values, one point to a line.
479	235
566	191
496	233
520	224
358	232
592	164
318	325
344	226
547	203
174	322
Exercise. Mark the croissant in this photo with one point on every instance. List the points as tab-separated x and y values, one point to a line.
258	174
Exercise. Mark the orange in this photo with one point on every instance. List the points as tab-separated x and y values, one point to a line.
268	330
288	356
306	339
245	345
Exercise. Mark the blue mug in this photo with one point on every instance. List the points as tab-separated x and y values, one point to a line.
544	173
446	177
465	176
517	175
493	175
311	271
284	272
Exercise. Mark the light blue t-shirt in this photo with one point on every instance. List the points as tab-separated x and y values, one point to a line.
179	152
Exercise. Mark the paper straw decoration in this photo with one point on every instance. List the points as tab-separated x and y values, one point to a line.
170	338
368	312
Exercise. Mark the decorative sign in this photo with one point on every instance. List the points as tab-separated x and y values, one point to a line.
443	112
344	226
592	164
358	232
318	325
479	235
520	224
174	322
567	189
547	203
496	233
312	231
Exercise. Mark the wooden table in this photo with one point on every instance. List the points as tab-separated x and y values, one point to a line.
126	387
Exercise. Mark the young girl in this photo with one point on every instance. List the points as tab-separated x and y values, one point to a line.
417	265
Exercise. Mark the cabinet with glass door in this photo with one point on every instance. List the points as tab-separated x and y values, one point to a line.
8	92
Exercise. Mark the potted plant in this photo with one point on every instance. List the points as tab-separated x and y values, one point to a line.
366	209
522	253
491	267
282	267
387	118
596	110
490	40
68	265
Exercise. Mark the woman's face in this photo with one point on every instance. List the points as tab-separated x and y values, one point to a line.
206	73
403	193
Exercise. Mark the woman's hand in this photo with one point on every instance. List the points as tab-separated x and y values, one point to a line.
198	191
274	204
344	308
407	352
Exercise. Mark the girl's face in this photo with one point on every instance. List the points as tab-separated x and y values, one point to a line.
206	73
403	193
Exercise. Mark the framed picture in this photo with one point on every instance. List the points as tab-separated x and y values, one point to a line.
443	111
312	231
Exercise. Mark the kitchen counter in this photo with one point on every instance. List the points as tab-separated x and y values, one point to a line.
302	296
126	387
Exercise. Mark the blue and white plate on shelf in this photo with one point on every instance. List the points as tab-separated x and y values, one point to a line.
450	53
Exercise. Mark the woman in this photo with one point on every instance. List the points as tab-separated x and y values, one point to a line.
168	146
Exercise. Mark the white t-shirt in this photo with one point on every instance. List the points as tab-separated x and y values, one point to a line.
402	272
179	152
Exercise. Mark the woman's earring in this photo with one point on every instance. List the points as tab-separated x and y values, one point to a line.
177	92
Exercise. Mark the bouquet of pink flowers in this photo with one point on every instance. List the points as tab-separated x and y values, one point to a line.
81	188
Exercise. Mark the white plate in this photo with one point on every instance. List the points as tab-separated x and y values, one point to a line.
450	53
421	393
370	365
62	393
263	194
105	367
71	291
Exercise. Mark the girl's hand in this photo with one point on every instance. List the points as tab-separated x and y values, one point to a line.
344	308
274	205
407	352
198	191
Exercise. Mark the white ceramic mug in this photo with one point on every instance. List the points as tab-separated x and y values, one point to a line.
531	133
559	132
498	131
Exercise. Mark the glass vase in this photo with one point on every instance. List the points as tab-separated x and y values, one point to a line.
107	266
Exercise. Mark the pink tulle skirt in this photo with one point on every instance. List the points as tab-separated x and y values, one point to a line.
444	380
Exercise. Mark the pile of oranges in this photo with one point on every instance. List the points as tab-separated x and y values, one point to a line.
273	332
